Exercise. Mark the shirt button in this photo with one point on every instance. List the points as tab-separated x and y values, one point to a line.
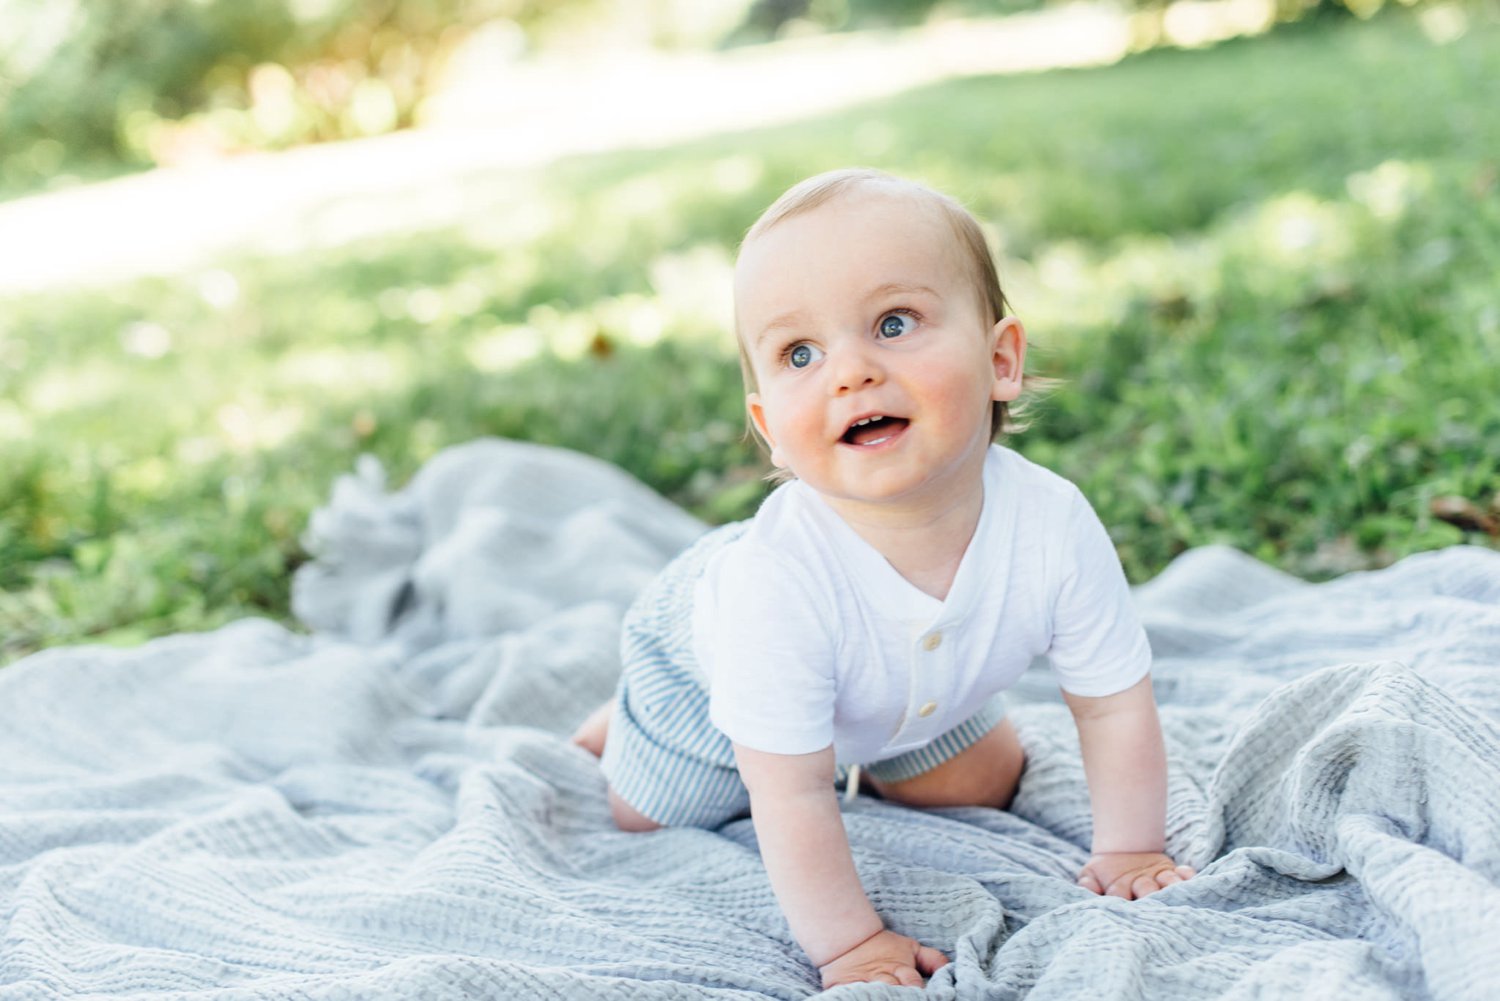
932	641
927	709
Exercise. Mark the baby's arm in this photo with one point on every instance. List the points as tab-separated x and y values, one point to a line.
1126	765
806	854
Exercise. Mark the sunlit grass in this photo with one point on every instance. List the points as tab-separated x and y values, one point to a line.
1265	271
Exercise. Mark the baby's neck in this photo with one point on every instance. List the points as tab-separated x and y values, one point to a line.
925	544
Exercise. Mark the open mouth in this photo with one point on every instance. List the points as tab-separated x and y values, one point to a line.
874	429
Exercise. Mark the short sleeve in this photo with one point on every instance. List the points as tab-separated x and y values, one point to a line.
765	639
1098	644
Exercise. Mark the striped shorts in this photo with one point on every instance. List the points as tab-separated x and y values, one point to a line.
663	755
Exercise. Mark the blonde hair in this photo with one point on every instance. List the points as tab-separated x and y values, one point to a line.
822	188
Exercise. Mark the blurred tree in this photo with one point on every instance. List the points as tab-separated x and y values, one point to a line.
87	81
766	17
75	69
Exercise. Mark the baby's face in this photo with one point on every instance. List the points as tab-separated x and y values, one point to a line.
875	362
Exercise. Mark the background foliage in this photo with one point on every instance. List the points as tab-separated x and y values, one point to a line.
1265	271
90	88
100	85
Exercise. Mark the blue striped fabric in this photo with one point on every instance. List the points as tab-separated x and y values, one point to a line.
664	756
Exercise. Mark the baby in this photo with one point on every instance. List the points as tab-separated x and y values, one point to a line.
907	572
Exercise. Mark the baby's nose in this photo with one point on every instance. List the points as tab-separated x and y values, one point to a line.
853	368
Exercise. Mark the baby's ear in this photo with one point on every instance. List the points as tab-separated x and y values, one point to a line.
1009	358
758	419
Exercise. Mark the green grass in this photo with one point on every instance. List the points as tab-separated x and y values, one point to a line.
1265	271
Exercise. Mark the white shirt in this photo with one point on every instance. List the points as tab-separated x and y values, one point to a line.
807	636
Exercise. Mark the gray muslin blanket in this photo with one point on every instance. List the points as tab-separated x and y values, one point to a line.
389	807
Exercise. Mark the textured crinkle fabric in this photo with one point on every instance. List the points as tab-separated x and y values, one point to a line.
389	806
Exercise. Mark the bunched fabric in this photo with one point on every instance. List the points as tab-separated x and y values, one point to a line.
389	807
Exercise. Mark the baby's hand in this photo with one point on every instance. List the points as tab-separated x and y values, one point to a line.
884	958
1131	875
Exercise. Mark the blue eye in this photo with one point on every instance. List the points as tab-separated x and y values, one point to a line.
895	324
803	355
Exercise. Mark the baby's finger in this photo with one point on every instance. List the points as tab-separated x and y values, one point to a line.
1167	877
1091	883
908	977
884	978
930	960
1143	886
1186	871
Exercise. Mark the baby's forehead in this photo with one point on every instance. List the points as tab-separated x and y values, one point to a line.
896	199
919	216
